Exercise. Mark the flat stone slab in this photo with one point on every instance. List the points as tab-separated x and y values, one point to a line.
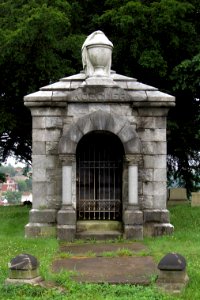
99	248
113	270
116	270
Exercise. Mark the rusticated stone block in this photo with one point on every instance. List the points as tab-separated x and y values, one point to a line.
160	201
133	232
66	232
147	202
39	195
161	216
159	174
158	229
42	216
152	135
43	111
134	217
53	122
39	230
38	122
39	175
154	111
163	229
52	135
38	135
39	148
66	217
146	174
51	148
152	122
152	161
78	109
148	229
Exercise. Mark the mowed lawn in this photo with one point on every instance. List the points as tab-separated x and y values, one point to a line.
185	240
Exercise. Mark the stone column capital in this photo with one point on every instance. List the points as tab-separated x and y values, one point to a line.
133	159
67	159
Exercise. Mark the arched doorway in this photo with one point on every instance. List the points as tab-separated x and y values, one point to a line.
99	158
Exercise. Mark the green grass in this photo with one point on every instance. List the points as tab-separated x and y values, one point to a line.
185	240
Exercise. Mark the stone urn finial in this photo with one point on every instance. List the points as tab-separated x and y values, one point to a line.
96	55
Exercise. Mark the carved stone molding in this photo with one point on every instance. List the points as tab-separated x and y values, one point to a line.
135	159
67	159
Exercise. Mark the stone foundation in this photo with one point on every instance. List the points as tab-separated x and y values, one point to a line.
66	224
63	225
40	230
66	232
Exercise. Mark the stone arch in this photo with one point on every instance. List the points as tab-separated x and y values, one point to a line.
100	120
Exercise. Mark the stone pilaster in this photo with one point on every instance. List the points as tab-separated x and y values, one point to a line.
132	216
66	217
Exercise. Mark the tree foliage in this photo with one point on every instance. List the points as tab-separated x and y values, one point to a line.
25	185
40	42
13	197
8	170
36	48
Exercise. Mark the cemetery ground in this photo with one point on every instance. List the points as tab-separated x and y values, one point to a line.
185	241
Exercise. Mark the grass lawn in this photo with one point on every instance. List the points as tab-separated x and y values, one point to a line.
185	240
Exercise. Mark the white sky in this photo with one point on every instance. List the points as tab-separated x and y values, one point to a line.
11	160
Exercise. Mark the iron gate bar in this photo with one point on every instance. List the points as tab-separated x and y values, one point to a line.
99	181
91	209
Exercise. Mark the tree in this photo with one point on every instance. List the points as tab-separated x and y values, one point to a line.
25	185
184	138
35	46
9	169
13	197
2	177
162	46
40	42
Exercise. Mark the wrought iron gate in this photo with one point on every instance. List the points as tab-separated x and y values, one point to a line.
99	177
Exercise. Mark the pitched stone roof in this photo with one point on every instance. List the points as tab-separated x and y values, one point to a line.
57	94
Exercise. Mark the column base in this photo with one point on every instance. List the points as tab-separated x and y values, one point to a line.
42	216
133	232
156	215
158	229
66	216
133	217
42	223
156	222
133	224
66	224
66	232
40	230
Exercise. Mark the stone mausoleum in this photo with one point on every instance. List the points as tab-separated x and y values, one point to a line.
99	153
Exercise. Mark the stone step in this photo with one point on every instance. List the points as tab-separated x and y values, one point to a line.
99	235
98	225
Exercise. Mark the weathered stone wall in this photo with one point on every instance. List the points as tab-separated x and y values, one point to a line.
152	132
47	176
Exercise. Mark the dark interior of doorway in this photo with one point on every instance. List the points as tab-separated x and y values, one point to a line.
99	177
